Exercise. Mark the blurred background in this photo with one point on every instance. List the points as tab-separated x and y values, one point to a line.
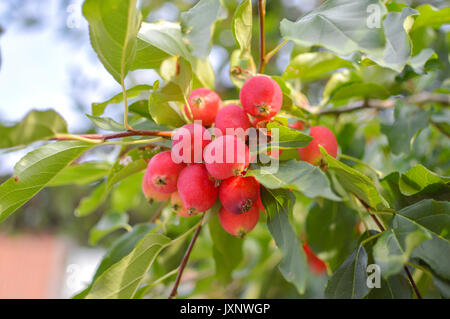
47	63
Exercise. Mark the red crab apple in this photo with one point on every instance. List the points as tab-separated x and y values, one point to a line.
196	188
261	97
239	224
316	264
162	172
239	194
151	194
178	206
204	104
188	143
321	136
226	156
233	118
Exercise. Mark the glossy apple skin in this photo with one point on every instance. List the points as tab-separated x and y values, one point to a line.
239	224
261	97
197	189
204	104
321	136
239	194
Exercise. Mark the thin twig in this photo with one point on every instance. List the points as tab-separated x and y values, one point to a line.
98	138
262	40
382	229
173	293
418	99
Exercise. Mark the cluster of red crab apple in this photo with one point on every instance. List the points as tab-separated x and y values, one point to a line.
199	169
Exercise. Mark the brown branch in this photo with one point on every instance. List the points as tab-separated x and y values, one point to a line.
382	229
173	293
262	40
105	137
420	99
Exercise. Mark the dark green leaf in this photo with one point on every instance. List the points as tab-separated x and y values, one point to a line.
434	218
395	287
227	250
350	279
331	231
278	204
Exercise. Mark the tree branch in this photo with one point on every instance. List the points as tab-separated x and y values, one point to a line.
99	138
382	229
262	40
173	293
419	99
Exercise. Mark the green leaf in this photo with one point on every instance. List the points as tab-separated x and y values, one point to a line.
406	125
35	170
300	176
394	247
431	17
122	280
227	250
198	26
99	108
359	89
121	247
338	25
313	66
147	56
287	137
434	218
419	61
346	26
241	26
81	174
37	125
107	224
106	123
131	163
419	179
278	204
355	183
165	36
289	96
349	281
113	28
91	202
398	46
395	287
331	232
128	164
161	107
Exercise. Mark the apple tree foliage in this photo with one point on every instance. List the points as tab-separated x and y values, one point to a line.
374	72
